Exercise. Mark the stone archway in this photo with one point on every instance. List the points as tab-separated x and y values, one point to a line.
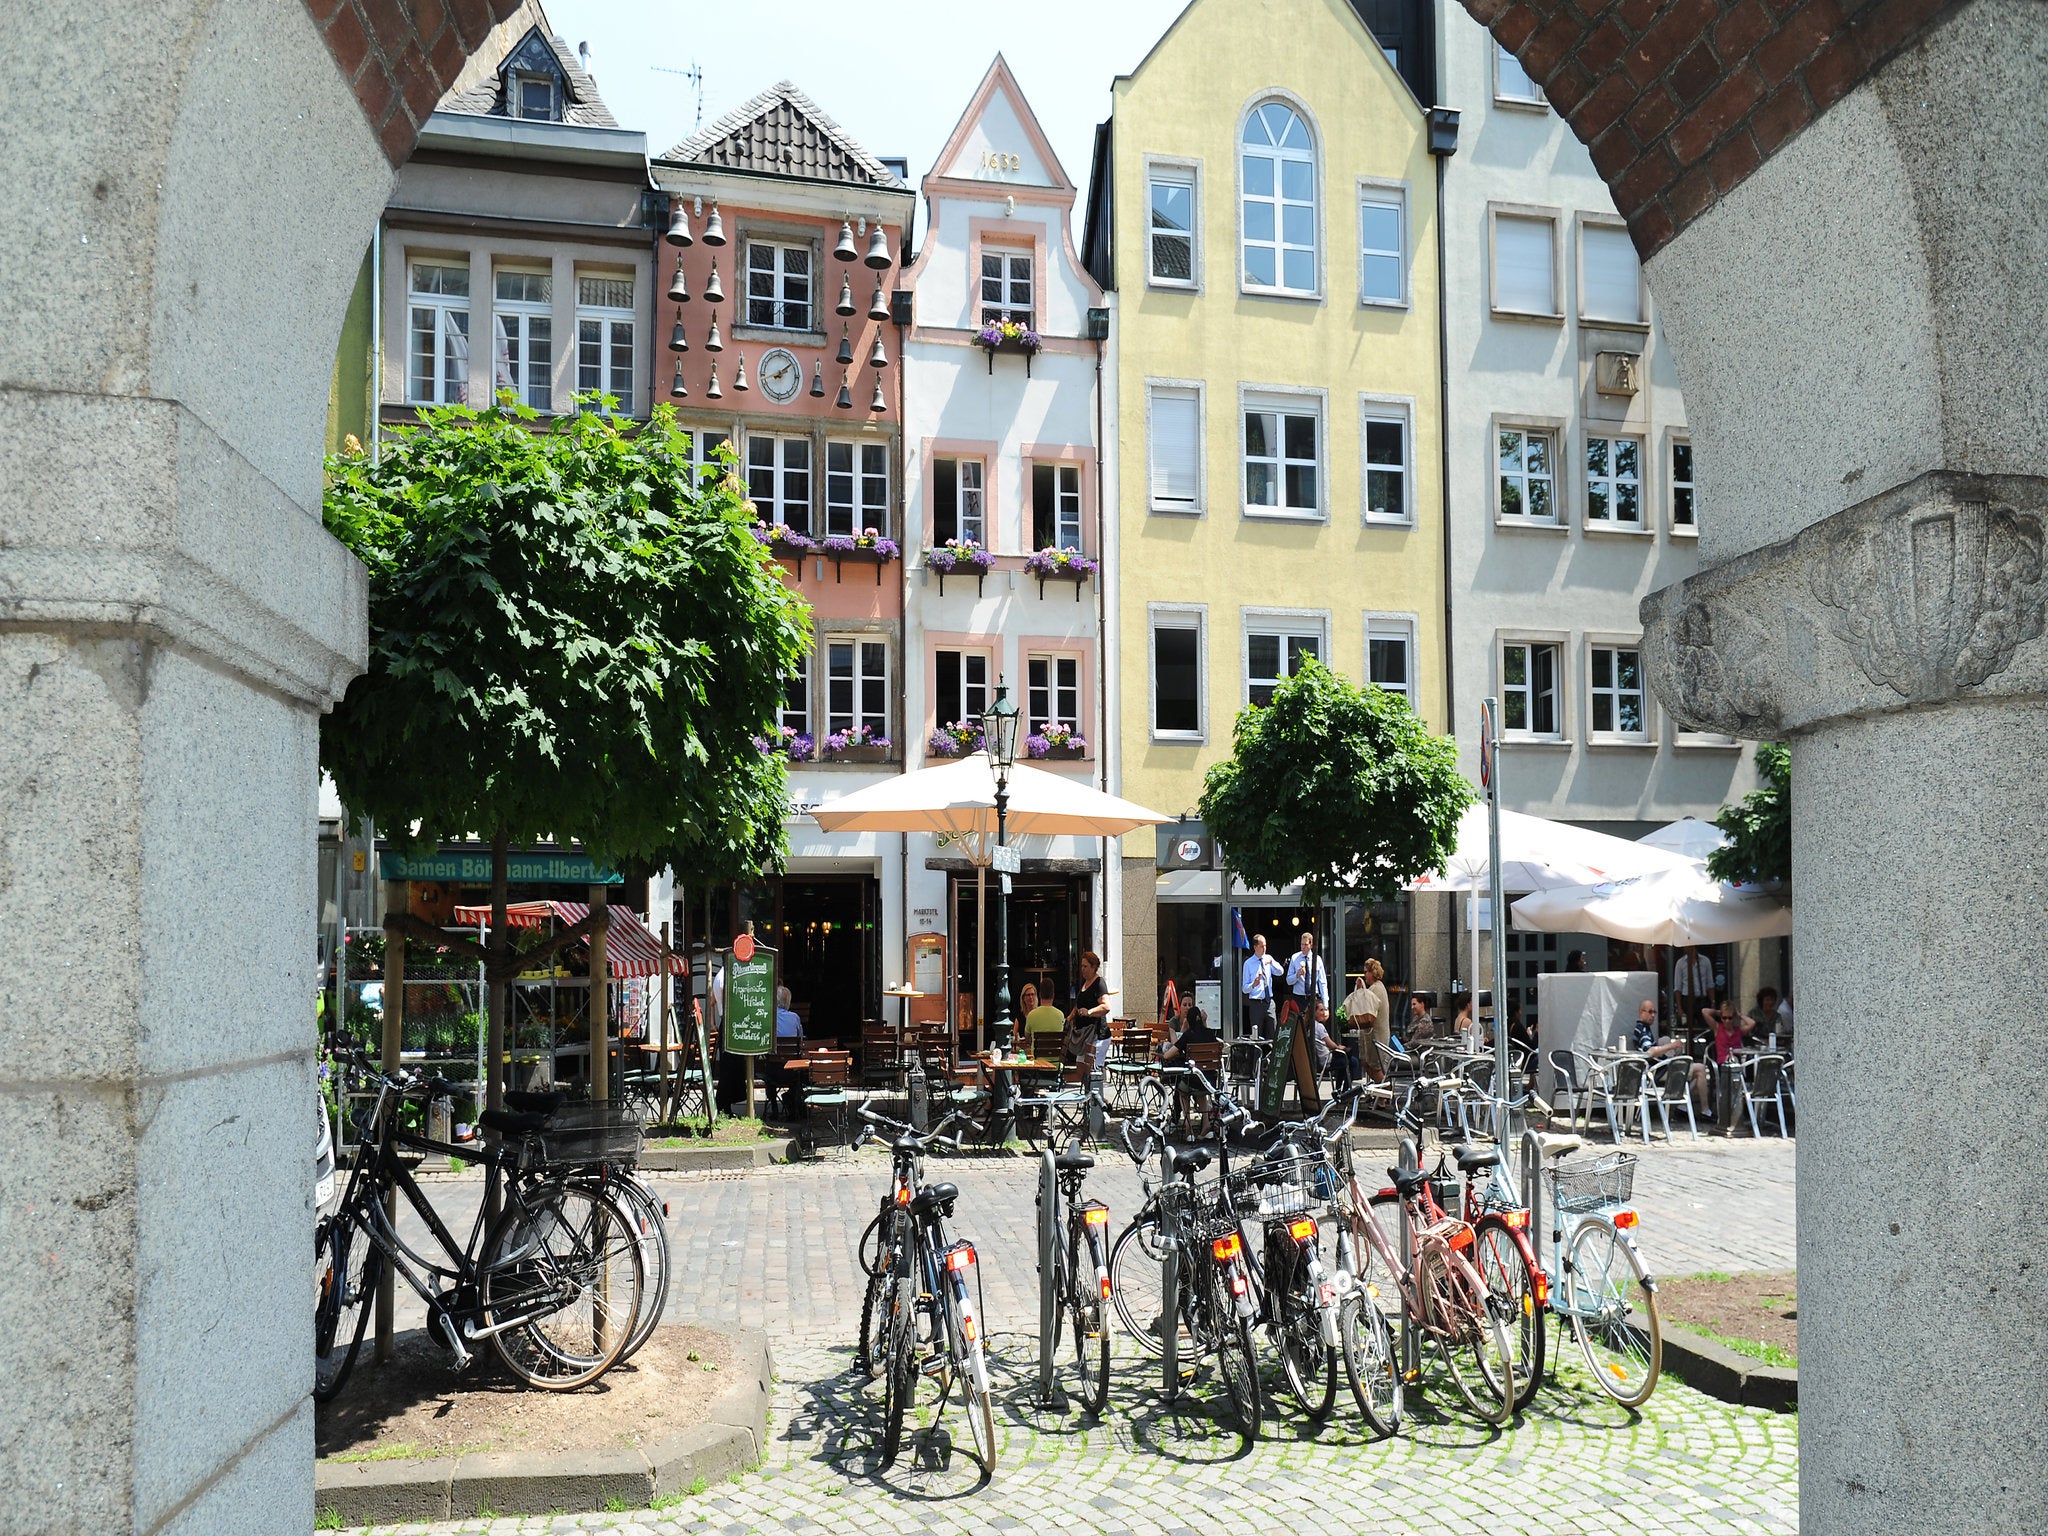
1835	205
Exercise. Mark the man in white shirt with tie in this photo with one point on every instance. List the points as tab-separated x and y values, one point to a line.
1260	971
1306	978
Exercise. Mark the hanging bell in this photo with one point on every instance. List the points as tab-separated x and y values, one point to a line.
677	341
845	306
878	249
714	392
678	224
714	342
714	230
878	404
878	358
714	291
845	347
679	288
817	381
739	375
878	306
679	390
844	250
845	395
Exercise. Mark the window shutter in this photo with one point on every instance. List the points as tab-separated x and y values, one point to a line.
1522	278
1176	447
1613	288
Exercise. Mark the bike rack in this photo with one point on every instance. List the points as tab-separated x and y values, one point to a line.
1048	1270
1169	1312
1532	1190
1411	1346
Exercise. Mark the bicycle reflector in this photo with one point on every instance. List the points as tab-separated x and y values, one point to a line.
1103	1280
960	1258
1514	1220
1227	1248
903	1194
1462	1238
1096	1215
1625	1219
1302	1229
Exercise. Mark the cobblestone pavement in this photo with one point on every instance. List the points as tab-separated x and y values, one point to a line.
774	1249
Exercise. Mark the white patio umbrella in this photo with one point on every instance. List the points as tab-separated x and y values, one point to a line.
1687	835
958	799
1677	907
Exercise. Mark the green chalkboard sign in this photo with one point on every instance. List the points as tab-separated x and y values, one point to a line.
750	1002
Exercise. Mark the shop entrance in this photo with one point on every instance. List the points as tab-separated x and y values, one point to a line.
1051	923
825	931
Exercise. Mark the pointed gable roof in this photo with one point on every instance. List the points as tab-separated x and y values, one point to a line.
998	104
782	132
526	36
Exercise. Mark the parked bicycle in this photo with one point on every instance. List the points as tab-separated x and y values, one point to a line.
931	1323
555	1283
1081	1290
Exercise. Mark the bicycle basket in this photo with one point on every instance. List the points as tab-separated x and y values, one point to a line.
588	1133
1288	1186
1610	1181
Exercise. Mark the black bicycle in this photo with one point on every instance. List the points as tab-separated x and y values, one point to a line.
1081	1291
555	1283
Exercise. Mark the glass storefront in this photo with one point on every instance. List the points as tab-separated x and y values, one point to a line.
826	932
1052	921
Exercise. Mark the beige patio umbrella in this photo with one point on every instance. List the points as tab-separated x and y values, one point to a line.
958	800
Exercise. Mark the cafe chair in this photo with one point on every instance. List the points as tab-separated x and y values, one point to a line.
1765	1084
1621	1092
1671	1084
1574	1087
831	1090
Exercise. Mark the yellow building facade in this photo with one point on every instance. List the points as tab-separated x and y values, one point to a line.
1264	209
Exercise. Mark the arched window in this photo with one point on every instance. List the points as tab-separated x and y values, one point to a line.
1278	178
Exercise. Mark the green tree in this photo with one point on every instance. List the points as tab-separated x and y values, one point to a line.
570	638
1759	846
1340	787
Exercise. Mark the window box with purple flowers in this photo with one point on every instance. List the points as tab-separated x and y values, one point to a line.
857	744
867	547
785	542
959	557
1055	741
1008	336
1059	565
798	746
960	739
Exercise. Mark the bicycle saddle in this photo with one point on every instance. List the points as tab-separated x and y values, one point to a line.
1471	1159
935	1197
1407	1183
540	1103
511	1122
1073	1162
1189	1160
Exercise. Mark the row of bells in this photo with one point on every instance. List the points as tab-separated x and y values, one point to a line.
679	341
678	390
714	234
714	293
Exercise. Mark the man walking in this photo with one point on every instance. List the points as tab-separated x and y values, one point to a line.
1261	970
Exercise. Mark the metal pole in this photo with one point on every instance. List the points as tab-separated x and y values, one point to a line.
980	949
1002	998
1503	1056
1048	1273
600	1020
1169	1324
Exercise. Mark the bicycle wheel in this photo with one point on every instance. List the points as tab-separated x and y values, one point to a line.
972	1372
1510	1278
1459	1306
1090	1325
1367	1345
874	1307
651	1231
1237	1360
901	1384
564	1268
346	1269
1137	1283
1310	1364
1614	1312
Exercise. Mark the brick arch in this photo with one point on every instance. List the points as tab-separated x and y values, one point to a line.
1680	100
400	64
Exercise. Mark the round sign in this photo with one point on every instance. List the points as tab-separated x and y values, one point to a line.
1188	850
743	948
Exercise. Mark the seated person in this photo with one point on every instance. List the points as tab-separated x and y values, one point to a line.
1331	1057
789	1028
1041	1020
1764	1018
1194	1030
1730	1030
1520	1030
789	1041
1420	1025
1643	1036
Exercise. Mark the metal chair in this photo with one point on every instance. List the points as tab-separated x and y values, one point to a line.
1671	1083
831	1090
1574	1086
1620	1091
1765	1082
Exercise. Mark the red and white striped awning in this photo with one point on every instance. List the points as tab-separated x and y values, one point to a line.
629	949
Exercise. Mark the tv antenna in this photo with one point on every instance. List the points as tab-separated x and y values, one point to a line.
695	75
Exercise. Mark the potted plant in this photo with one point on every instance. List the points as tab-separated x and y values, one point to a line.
868	546
959	557
1060	565
857	744
1056	740
783	541
1008	336
960	739
798	746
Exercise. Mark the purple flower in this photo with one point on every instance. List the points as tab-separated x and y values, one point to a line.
838	544
1059	562
1036	745
855	736
960	739
888	549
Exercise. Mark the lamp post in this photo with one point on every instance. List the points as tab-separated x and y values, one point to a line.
999	740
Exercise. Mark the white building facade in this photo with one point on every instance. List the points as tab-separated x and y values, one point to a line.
1001	481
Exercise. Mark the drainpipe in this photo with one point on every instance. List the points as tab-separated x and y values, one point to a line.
376	337
1102	745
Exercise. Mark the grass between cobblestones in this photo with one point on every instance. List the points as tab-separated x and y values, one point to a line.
1575	1464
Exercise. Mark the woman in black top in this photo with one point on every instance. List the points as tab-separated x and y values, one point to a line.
1088	1022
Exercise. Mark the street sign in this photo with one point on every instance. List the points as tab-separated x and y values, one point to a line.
749	1000
1004	861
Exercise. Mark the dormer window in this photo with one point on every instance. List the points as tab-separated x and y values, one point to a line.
534	97
533	82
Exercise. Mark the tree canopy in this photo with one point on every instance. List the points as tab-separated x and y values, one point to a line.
1338	786
570	638
1759	846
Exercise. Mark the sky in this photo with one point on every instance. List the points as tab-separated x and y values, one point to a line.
896	75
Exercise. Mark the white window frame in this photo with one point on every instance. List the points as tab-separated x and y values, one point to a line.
702	446
1583	223
1560	644
1062	470
979	534
609	320
986	687
1387	408
1376	192
1647	736
1054	688
451	361
1528	212
866	504
1179	387
781	246
1184	173
860	641
1673	441
1286	624
1241	152
1536	101
512	322
1181	616
1394	626
521	78
1282	400
1007	308
781	472
1550	427
1611	481
802	683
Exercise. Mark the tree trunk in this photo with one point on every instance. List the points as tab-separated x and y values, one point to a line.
499	945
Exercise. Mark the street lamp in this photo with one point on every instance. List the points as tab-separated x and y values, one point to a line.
999	740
